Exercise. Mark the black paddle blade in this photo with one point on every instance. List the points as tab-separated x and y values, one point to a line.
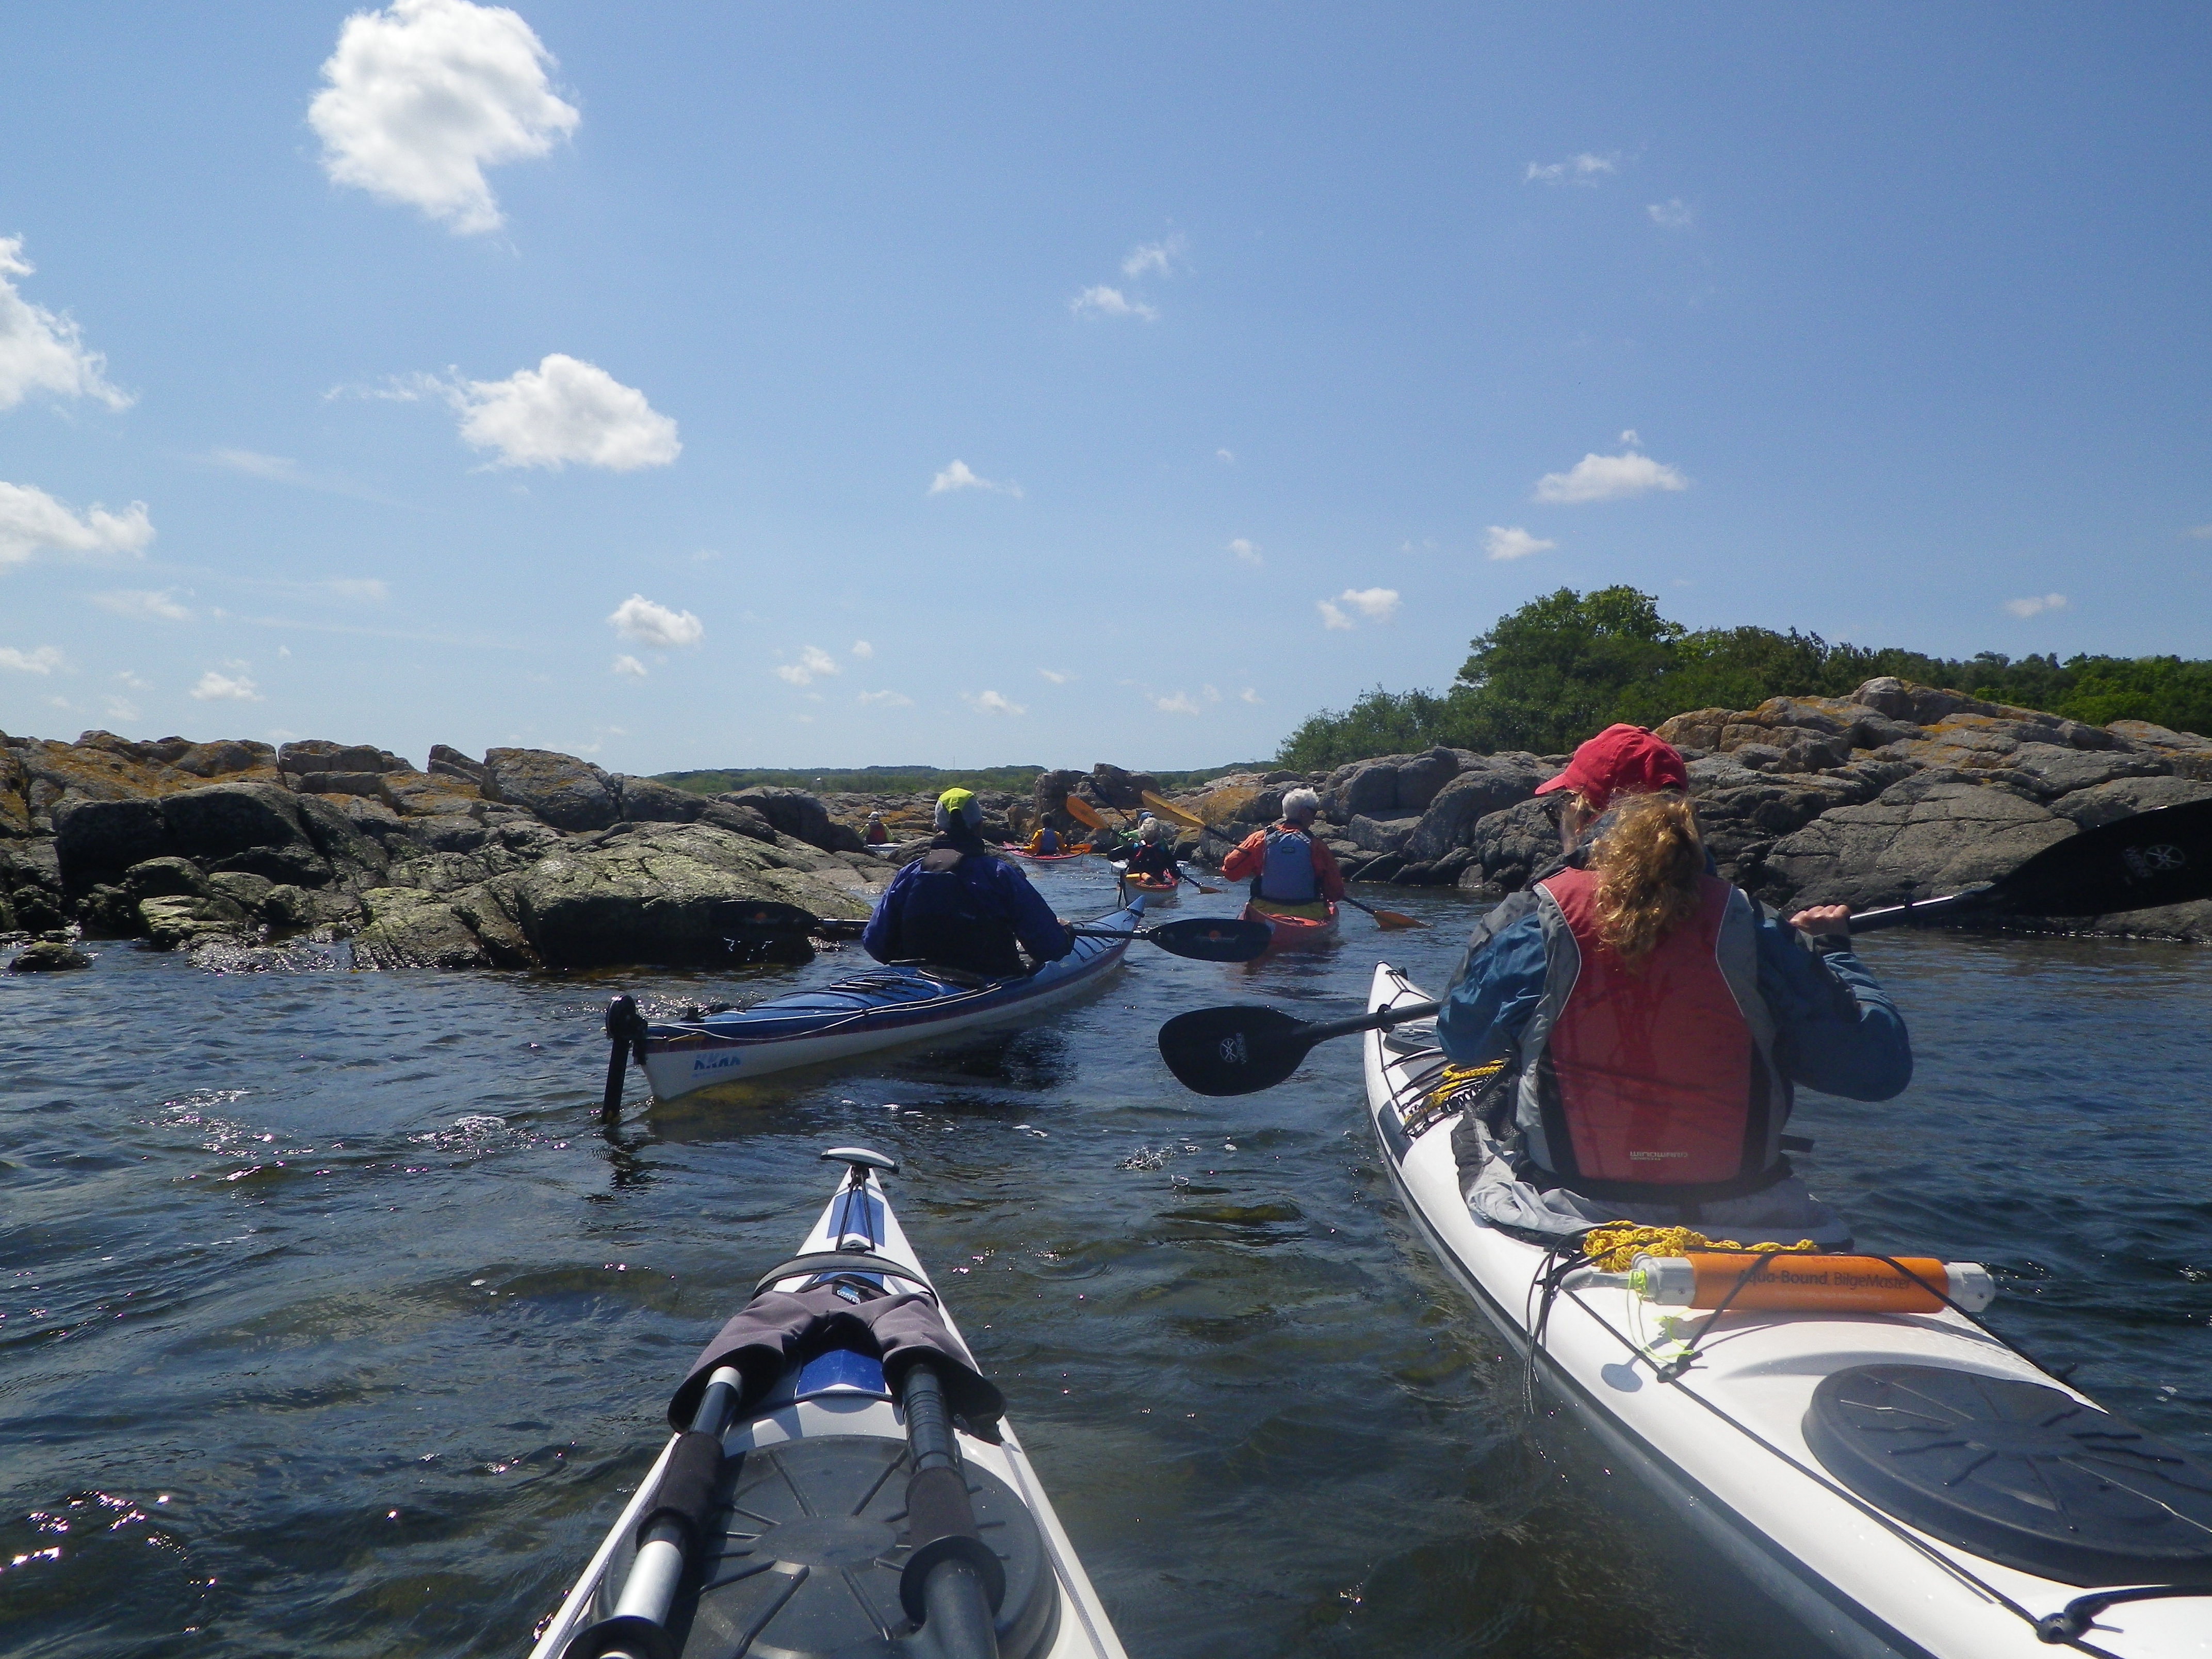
2160	857
1213	939
1233	1051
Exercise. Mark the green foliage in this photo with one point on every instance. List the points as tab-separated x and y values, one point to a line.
1568	665
866	779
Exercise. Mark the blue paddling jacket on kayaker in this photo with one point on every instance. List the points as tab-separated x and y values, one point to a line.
958	906
1656	1019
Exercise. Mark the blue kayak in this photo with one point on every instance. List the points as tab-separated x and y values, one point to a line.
883	1008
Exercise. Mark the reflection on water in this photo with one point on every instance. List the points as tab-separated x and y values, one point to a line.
333	1320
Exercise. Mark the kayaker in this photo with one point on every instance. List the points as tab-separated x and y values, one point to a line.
1653	1019
959	906
876	834
1288	864
1154	854
1044	840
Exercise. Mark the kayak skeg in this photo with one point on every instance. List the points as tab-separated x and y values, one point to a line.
1297	927
828	1508
880	1009
1907	1485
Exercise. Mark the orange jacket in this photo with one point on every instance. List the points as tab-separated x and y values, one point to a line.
1251	853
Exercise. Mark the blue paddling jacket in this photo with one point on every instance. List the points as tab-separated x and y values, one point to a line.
957	906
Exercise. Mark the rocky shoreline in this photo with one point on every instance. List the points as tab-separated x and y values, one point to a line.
1898	791
528	859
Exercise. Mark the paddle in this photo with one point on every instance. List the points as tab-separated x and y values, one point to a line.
1170	812
2154	857
1240	1051
1202	938
1391	921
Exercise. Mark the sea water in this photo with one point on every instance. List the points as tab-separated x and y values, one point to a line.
333	1320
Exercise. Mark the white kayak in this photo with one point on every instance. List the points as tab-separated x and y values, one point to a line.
808	1517
883	1008
1958	1497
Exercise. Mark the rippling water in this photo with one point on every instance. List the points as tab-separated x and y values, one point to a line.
331	1321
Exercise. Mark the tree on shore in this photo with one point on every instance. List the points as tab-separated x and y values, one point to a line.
1566	664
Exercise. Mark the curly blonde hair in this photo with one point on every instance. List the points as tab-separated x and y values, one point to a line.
1648	863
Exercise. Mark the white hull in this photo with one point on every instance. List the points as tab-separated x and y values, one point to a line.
1085	1632
1868	1585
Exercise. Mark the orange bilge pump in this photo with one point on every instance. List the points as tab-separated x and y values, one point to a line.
1788	1281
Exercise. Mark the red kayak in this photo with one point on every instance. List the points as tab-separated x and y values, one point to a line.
1044	858
1297	927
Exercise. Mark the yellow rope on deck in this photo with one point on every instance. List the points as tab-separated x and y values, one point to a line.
1615	1246
1456	1079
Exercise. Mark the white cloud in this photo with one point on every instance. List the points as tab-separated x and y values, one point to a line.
122	708
2202	532
144	604
44	660
1584	169
1225	456
990	703
886	699
1376	604
40	352
1607	477
863	650
2036	603
424	96
1180	703
1630	440
1248	695
959	476
30	520
1511	541
630	665
565	410
642	622
216	686
357	590
1332	615
1247	552
813	662
1162	257
132	680
1057	675
1671	214
1103	301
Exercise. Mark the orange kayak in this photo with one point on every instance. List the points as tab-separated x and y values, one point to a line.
1297	927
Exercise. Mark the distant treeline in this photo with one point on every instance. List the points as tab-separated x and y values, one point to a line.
903	779
1567	664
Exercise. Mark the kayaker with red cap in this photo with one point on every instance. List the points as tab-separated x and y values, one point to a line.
1654	1019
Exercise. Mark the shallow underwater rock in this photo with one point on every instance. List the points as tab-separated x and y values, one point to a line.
48	956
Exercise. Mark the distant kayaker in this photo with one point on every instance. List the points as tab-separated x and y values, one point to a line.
1153	854
876	834
1653	1019
1044	842
959	906
1288	864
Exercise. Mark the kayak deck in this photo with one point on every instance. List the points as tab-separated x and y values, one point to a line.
885	1007
816	1413
1297	927
1725	1443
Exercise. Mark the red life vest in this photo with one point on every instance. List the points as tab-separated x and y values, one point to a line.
1652	1075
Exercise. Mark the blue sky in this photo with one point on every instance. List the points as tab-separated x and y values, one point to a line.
689	385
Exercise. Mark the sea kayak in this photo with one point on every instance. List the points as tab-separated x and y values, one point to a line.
1298	926
1904	1484
782	1519
1158	890
1045	858
880	1009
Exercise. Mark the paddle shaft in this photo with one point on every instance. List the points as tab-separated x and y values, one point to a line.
1381	1020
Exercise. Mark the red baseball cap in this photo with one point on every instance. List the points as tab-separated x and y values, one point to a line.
1621	760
